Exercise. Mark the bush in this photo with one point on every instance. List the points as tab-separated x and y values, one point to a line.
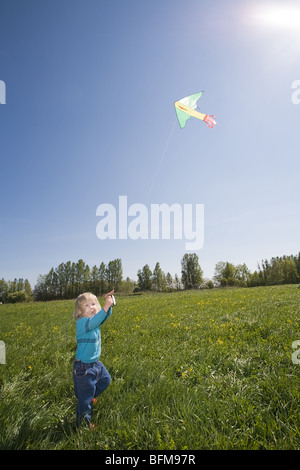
15	297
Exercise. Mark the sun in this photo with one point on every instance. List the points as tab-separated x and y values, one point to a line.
283	17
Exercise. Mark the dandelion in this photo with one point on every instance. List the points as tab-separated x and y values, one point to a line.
219	341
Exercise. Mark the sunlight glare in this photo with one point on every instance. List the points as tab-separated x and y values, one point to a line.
284	17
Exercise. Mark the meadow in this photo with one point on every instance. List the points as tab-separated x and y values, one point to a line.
205	369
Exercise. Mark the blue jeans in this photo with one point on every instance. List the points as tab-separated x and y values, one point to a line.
90	379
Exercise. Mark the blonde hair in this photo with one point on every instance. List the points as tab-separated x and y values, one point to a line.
80	300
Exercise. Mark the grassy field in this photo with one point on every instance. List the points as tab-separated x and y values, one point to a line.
190	370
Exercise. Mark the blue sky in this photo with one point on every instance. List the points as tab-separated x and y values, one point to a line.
89	116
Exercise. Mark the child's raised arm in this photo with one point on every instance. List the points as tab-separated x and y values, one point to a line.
108	301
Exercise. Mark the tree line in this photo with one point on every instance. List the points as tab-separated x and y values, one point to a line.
70	279
18	290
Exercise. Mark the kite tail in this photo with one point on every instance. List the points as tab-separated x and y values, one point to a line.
210	120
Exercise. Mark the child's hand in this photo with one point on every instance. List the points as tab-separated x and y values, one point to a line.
108	300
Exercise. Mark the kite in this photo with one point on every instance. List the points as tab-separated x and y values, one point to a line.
186	108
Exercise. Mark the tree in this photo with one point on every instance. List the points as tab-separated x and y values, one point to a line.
61	281
40	289
114	274
82	277
102	278
275	275
226	274
178	285
127	286
254	280
95	287
158	282
191	272
144	278
297	263
3	290
279	270
17	290
17	296
28	290
70	269
241	275
289	269
169	281
219	275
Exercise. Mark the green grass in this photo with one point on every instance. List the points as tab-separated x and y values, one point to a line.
190	370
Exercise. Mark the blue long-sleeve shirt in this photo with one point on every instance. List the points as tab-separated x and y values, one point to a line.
88	336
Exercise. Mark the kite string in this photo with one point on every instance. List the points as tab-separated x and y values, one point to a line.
161	160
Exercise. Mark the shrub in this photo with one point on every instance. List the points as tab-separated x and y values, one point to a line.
20	296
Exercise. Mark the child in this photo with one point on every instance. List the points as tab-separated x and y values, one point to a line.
90	377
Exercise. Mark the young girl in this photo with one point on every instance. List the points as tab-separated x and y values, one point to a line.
90	377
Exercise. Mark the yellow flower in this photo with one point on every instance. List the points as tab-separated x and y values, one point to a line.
219	341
